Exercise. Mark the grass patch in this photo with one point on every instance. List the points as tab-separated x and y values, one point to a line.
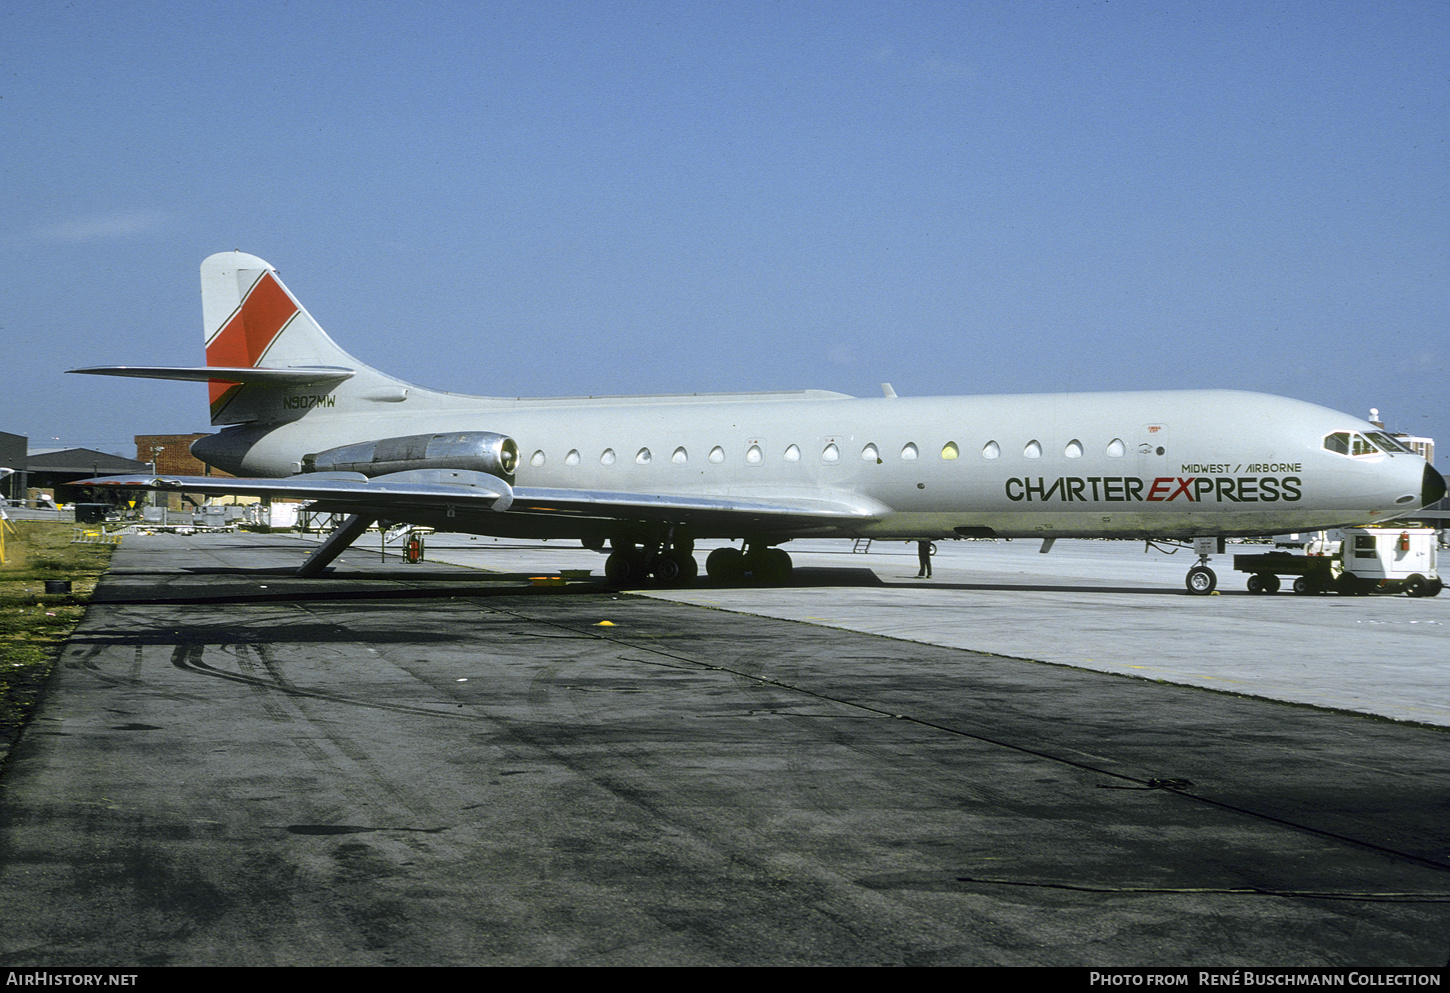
35	624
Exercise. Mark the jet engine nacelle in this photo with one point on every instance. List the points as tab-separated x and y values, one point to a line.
477	451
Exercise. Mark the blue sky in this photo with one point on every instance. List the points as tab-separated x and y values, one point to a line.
569	198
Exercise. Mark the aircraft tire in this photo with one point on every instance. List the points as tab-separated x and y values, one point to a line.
725	565
1201	580
688	567
666	569
675	568
772	566
625	568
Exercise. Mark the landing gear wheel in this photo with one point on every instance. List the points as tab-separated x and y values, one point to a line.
625	568
688	567
1201	580
665	569
725	565
772	565
674	568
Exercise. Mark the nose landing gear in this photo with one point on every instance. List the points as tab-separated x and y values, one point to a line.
1201	580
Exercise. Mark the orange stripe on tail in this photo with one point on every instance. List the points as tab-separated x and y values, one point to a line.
249	333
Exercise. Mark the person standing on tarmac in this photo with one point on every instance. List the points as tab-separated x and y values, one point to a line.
923	558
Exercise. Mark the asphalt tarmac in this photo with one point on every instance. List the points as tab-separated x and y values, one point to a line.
432	765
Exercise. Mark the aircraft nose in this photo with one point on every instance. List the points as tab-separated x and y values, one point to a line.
1432	488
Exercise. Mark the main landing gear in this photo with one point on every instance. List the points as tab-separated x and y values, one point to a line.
670	561
766	564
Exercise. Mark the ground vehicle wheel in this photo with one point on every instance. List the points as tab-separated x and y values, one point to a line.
1263	584
1417	586
1201	580
1304	584
1347	585
1434	586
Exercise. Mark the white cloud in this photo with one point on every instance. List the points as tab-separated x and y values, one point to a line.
103	227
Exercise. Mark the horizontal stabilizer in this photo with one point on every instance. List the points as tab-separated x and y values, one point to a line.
296	376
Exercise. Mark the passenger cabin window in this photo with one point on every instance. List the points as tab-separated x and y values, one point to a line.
991	450
1033	450
538	458
607	458
572	458
1073	449
870	454
793	453
717	455
1116	448
949	450
831	453
754	455
680	457
642	457
908	452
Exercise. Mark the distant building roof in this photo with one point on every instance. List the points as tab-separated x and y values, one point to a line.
81	460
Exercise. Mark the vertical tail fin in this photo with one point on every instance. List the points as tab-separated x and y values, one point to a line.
252	321
267	360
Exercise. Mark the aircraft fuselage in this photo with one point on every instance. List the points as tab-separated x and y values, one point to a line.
1151	464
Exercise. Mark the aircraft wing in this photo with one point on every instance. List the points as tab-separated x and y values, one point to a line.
343	491
767	512
432	490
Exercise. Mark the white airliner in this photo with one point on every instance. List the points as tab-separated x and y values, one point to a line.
651	474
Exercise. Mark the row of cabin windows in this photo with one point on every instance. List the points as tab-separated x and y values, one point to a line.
755	455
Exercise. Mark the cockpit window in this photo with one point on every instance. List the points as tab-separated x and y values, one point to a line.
1352	444
1388	443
